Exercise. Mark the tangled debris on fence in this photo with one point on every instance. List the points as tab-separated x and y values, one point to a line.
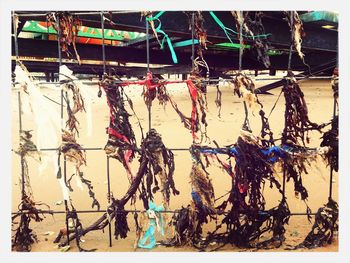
296	26
188	221
252	27
155	160
121	137
331	139
28	209
324	227
78	106
295	133
68	25
245	221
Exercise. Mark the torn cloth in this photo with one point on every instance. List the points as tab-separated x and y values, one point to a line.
155	222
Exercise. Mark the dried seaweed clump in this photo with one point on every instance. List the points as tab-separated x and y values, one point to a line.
24	236
75	227
149	16
121	137
296	26
161	167
324	228
247	219
198	92
253	28
72	150
199	30
335	84
331	139
295	133
68	25
78	106
155	88
188	221
297	122
76	155
244	87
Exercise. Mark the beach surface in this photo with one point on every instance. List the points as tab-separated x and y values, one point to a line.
224	130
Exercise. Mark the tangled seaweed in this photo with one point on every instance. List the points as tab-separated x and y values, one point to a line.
149	14
324	227
297	122
266	130
72	150
247	218
295	132
197	88
75	154
198	92
188	221
335	84
160	164
121	137
74	227
24	236
245	87
78	106
296	26
68	25
152	151
199	31
331	139
253	26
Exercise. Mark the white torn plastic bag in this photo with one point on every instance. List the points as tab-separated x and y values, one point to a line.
46	118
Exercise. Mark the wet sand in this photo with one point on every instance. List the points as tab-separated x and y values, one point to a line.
224	130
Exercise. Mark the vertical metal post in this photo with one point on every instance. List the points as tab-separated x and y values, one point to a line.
103	43
292	37
331	169
147	44
288	68
108	177
19	107
192	29
59	45
148	60
62	123
330	183
20	134
240	58
334	113
240	43
14	22
20	112
109	201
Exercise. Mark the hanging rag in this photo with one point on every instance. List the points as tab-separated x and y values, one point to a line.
155	222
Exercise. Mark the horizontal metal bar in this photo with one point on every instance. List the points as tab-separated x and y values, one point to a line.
100	148
75	13
84	212
207	80
129	211
135	149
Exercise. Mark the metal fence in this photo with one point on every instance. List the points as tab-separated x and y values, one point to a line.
149	120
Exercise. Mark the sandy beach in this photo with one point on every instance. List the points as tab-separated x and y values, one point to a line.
224	130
